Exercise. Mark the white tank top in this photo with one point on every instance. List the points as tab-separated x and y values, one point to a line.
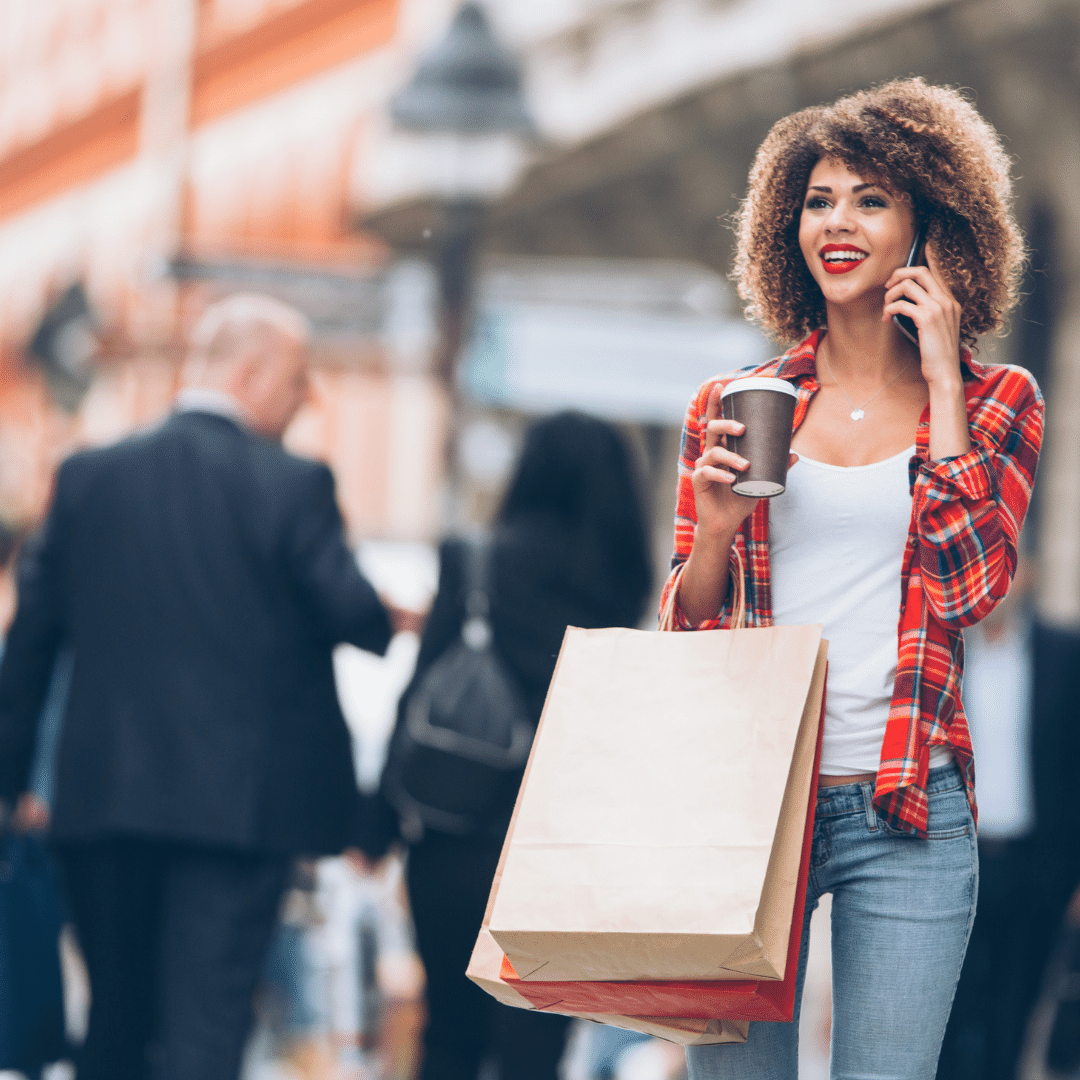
836	545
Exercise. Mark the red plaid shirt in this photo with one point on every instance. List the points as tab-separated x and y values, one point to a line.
966	515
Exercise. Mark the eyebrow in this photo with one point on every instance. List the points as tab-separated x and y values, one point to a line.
828	190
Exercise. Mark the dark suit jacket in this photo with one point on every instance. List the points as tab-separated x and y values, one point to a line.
200	576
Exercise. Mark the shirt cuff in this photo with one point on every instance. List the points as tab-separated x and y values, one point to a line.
969	474
682	623
717	622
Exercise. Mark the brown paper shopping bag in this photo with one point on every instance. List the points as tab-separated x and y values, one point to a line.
658	831
486	963
730	999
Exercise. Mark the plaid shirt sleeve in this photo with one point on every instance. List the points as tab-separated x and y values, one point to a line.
969	509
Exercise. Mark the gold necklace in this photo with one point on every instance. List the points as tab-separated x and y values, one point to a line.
857	411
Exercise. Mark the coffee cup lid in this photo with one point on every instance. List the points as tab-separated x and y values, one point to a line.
781	386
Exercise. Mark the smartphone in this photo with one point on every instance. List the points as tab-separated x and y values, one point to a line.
916	257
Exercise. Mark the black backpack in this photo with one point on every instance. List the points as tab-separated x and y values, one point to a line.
463	737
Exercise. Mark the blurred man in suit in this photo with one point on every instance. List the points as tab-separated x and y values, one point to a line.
200	576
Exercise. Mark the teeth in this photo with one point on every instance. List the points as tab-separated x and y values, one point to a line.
844	256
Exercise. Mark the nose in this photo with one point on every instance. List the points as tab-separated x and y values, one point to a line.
838	219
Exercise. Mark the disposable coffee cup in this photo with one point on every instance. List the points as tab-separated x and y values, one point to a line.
767	408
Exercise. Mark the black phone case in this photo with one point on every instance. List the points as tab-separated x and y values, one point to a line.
916	257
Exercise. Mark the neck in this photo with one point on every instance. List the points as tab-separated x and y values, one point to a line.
218	378
862	350
214	398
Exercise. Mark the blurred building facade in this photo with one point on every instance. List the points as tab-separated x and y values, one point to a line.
166	150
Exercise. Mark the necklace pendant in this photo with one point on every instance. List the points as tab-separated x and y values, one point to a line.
857	414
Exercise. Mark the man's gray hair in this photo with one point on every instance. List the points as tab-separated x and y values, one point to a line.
223	326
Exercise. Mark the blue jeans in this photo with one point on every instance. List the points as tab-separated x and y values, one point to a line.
901	915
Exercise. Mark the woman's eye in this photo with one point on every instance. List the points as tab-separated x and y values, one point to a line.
873	200
816	202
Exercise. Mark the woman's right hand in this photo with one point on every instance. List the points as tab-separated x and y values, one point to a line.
719	510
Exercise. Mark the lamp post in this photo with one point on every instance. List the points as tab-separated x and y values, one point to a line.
460	139
462	132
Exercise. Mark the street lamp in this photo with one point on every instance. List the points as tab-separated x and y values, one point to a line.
461	138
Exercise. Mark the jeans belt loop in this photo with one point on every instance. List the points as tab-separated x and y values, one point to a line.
868	802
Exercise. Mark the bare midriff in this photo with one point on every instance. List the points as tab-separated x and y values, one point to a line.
856	778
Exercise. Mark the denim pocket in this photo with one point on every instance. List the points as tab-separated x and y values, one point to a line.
950	818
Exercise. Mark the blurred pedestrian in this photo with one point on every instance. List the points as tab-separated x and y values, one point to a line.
1053	1048
1052	1036
606	1047
877	234
199	575
32	1033
1020	697
569	547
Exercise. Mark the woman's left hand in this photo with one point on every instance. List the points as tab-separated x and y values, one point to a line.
921	293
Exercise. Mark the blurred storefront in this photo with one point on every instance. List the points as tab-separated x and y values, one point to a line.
163	152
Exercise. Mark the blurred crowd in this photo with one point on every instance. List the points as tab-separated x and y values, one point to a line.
170	713
191	688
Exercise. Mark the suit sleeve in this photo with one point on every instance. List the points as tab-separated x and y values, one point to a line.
342	599
31	646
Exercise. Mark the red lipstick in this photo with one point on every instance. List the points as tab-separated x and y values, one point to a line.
840	265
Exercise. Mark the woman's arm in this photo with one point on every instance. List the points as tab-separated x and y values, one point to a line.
708	513
969	509
706	579
922	293
971	497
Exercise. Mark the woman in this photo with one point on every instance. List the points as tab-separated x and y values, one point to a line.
568	546
913	475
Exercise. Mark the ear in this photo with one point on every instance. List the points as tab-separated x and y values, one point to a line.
243	378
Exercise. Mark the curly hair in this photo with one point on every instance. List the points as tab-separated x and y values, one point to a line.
924	142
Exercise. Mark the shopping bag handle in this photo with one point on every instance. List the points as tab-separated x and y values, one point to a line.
738	586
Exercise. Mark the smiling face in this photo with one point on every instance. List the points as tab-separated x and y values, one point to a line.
853	233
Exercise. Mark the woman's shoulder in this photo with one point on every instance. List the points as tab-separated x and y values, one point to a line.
1010	384
1000	395
1005	408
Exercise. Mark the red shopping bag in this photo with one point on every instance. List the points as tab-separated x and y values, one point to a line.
757	999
